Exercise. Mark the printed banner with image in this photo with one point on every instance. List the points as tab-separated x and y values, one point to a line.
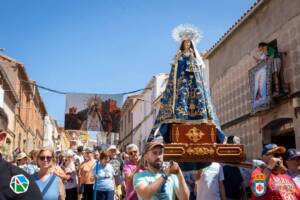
260	87
93	112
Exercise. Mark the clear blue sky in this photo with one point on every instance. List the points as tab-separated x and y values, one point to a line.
104	46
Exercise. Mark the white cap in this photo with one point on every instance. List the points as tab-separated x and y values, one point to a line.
69	153
21	156
88	149
112	147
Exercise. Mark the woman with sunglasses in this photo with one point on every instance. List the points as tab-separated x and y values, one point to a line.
50	185
104	178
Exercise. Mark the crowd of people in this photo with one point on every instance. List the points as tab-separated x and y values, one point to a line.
108	174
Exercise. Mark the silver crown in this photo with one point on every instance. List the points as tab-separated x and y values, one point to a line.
187	32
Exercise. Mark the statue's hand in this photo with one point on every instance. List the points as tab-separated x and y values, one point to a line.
177	56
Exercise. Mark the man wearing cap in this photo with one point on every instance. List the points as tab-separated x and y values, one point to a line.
292	159
271	181
117	165
158	182
22	160
15	183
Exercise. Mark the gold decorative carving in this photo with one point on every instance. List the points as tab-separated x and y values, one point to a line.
174	151
194	134
213	134
177	134
200	151
229	151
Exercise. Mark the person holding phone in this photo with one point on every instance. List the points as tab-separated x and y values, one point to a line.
270	181
159	181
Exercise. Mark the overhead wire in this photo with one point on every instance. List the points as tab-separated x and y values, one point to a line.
64	93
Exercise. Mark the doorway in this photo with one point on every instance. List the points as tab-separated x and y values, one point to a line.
280	132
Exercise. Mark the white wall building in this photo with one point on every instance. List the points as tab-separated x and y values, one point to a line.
50	133
146	109
139	113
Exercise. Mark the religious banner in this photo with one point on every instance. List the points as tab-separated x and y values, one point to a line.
260	87
93	112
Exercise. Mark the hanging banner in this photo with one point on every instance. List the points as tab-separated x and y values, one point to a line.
93	112
260	86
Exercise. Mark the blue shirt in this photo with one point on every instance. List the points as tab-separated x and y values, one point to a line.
104	177
53	191
166	192
295	177
30	168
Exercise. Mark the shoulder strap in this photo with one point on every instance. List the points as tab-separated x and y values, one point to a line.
45	190
95	191
97	167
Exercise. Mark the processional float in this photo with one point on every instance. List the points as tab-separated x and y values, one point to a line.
186	119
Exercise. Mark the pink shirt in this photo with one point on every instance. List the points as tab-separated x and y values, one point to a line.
128	168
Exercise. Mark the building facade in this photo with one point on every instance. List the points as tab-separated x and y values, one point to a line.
50	132
28	109
126	123
230	62
63	141
147	108
8	101
142	109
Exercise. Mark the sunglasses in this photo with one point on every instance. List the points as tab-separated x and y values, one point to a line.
276	155
131	153
45	158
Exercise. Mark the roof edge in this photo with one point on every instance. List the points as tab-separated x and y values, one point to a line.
238	23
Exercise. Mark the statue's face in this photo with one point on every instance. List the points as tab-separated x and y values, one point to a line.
186	44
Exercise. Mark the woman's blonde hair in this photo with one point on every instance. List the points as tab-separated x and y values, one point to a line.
45	149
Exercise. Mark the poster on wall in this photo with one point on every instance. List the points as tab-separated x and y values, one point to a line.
260	87
93	112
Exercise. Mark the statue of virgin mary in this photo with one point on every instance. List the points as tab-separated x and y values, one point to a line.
186	98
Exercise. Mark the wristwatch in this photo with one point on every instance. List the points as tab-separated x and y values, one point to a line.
164	175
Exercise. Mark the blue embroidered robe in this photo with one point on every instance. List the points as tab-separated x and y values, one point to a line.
186	99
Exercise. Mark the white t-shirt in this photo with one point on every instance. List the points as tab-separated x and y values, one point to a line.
73	181
79	158
208	185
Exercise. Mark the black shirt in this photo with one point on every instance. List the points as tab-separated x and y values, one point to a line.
16	184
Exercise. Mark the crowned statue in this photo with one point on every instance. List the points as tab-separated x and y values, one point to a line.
186	99
93	120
